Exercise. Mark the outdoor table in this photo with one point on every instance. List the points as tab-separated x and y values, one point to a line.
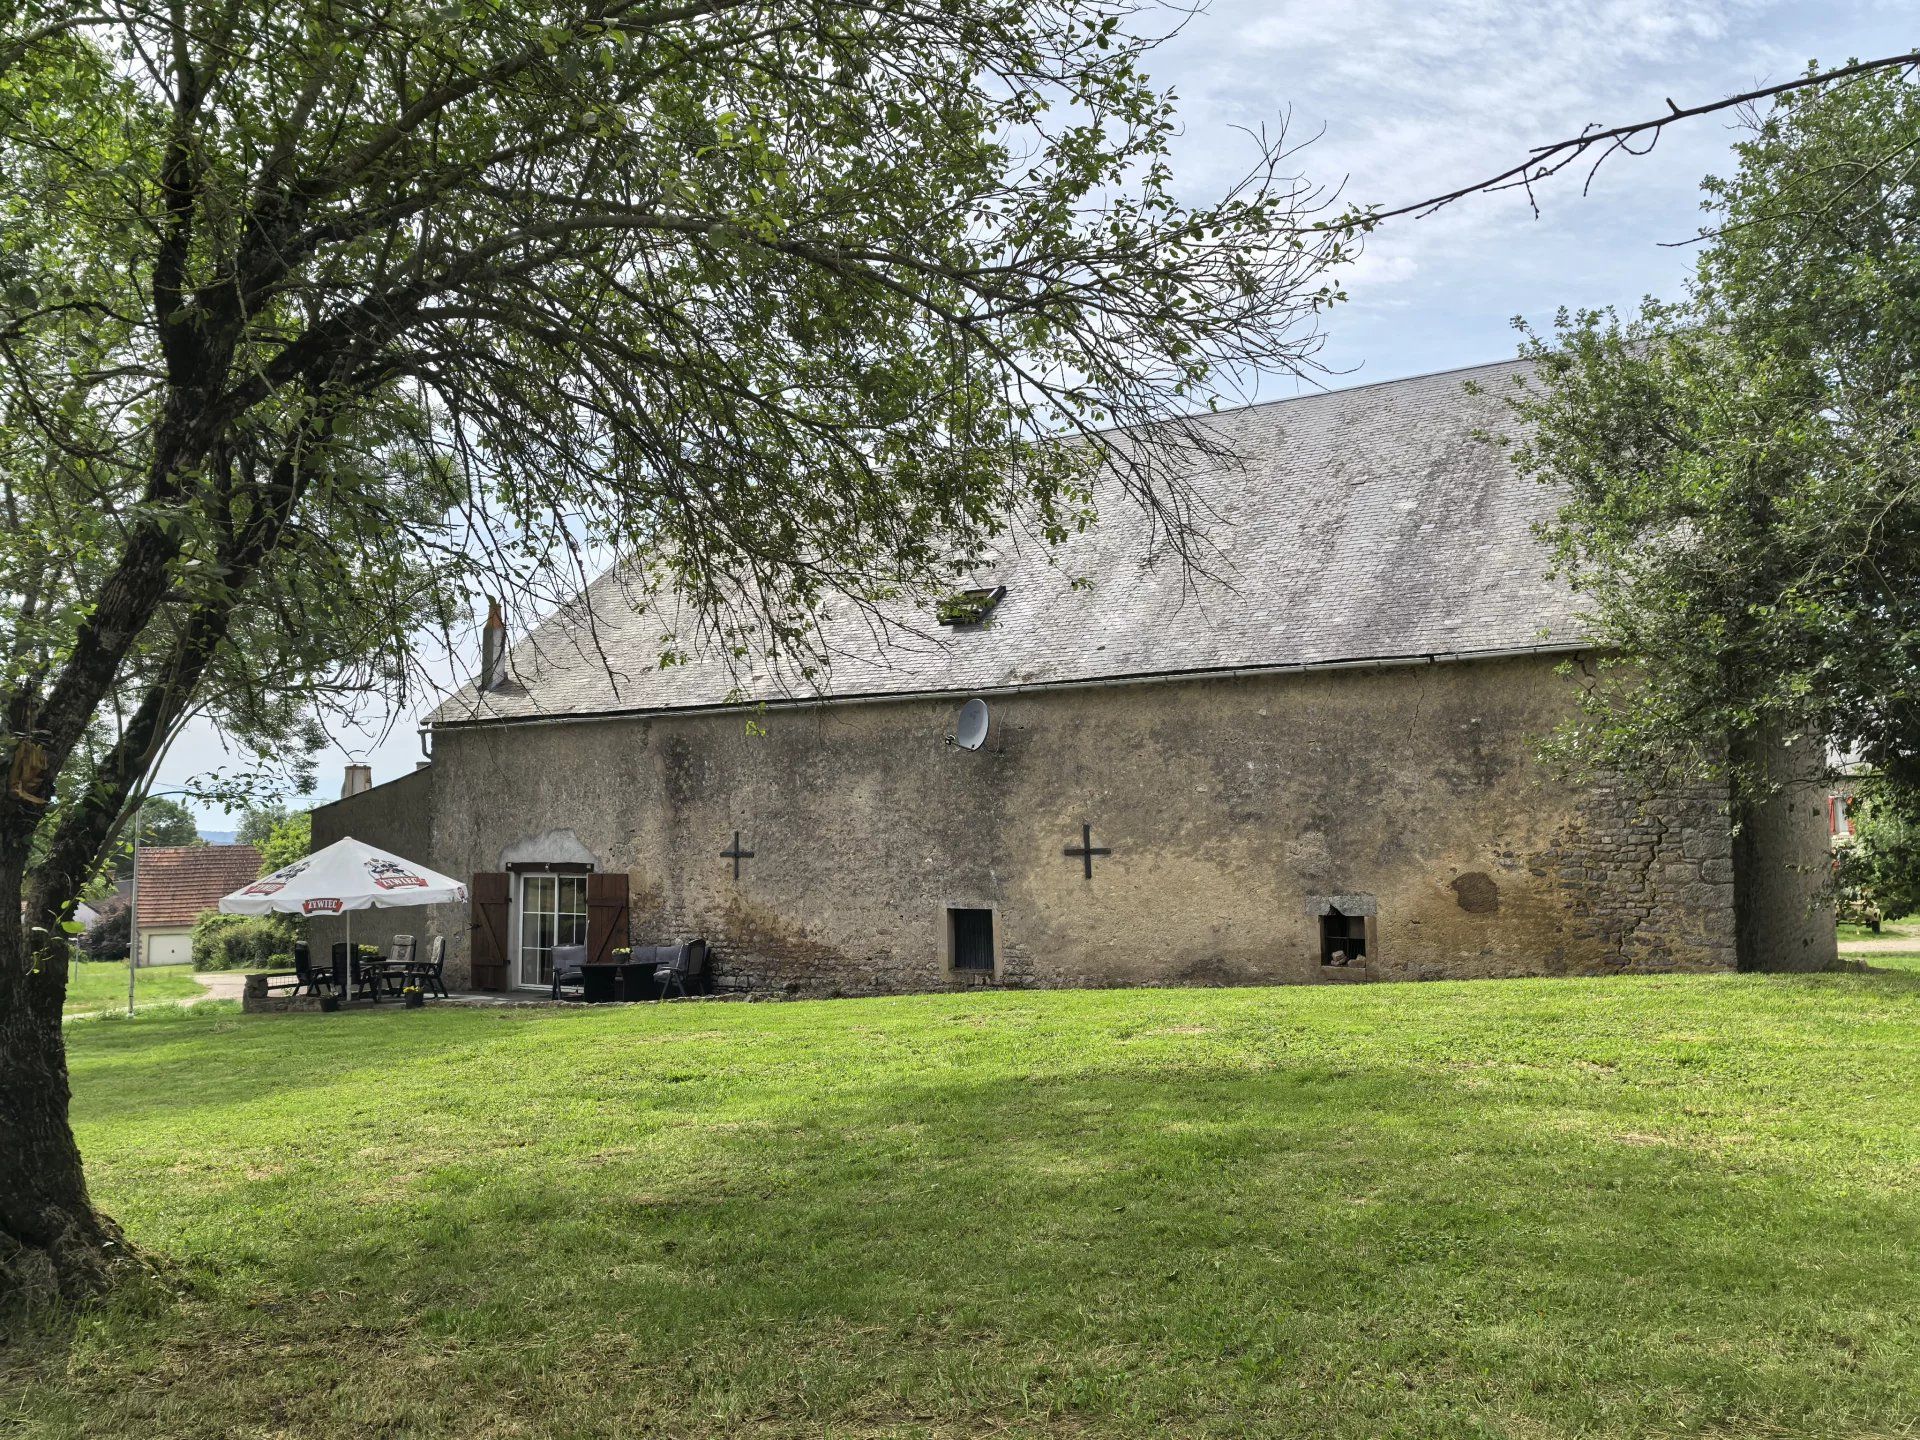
624	980
635	980
361	966
377	973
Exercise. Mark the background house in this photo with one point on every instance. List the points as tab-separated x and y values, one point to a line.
177	883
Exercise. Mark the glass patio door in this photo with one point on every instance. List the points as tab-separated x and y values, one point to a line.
553	911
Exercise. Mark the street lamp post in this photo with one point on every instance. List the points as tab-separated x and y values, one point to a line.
133	896
133	913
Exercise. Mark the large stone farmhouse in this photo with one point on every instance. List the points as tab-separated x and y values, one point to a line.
1315	761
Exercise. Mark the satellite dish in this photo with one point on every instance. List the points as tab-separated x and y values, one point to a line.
971	732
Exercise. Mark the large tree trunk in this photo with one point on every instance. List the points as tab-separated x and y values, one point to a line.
53	1245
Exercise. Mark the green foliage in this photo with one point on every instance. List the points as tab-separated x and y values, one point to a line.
1742	465
238	942
968	607
290	839
1568	1210
164	821
111	936
1884	858
317	318
259	822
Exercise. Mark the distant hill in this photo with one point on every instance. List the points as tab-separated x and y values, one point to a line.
217	837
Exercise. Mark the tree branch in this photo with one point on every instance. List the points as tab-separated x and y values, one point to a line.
1545	161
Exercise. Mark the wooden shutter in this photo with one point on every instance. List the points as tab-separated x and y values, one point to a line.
489	930
607	924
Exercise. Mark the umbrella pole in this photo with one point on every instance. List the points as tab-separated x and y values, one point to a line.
346	971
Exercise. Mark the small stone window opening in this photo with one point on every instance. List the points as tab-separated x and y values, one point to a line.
1343	938
970	939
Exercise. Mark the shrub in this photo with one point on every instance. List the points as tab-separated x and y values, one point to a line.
112	934
209	939
237	942
1883	861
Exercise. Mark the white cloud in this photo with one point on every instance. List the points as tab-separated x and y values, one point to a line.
1374	269
1416	98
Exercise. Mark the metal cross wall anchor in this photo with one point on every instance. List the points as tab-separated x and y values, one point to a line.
1087	849
736	854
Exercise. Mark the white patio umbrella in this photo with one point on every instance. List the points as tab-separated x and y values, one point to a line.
348	875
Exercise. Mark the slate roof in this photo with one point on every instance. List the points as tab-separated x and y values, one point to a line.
177	882
1371	523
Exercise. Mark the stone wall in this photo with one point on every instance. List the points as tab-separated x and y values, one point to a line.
1783	859
398	816
1230	807
1647	878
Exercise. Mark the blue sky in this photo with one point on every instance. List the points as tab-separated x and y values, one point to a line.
1415	98
1408	97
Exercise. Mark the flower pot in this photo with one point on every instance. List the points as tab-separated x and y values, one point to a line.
414	1001
329	1002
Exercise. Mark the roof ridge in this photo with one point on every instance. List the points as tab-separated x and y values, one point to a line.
1328	392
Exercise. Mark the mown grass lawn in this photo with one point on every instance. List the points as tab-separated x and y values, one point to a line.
1525	1209
102	985
1906	927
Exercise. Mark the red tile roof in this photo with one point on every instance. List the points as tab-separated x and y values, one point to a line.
177	882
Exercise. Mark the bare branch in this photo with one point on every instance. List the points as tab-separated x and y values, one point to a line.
1545	161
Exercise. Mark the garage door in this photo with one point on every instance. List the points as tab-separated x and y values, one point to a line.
169	949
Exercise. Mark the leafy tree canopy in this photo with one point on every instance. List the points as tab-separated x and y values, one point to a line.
164	821
258	822
1884	858
319	318
289	840
110	936
1744	516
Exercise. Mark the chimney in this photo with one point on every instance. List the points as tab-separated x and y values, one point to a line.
493	648
359	777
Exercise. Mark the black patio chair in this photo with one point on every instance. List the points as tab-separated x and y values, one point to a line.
400	965
429	974
362	978
301	980
569	969
679	967
308	981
